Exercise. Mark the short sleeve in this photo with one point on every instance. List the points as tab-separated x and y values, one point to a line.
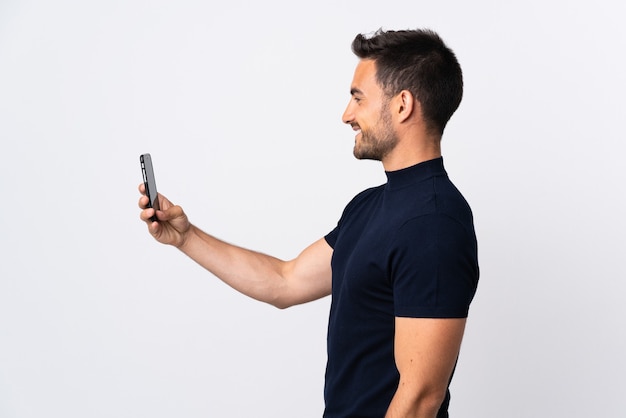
434	268
331	237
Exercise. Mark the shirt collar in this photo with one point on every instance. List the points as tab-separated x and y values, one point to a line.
410	175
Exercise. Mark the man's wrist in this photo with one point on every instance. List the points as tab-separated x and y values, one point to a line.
185	238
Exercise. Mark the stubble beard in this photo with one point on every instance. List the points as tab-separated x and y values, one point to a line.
376	143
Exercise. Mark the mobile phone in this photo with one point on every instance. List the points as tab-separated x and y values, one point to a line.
148	180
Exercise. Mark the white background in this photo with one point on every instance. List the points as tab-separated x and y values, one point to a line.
239	104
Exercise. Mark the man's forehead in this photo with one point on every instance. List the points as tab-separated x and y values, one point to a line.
364	75
365	67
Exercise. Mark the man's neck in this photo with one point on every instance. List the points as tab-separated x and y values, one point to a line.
402	157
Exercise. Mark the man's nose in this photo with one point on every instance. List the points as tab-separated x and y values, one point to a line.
347	116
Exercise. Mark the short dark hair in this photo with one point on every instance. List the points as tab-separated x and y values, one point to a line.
420	62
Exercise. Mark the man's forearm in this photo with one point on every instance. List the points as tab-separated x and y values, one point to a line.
254	274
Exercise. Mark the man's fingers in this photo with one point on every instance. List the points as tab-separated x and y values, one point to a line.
146	214
143	202
164	203
170	213
153	228
162	215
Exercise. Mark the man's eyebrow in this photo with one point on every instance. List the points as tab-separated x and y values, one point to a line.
354	91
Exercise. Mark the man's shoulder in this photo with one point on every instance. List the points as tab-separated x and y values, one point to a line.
365	195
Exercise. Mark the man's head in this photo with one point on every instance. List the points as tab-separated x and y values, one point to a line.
417	61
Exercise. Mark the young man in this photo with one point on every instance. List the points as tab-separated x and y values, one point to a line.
401	264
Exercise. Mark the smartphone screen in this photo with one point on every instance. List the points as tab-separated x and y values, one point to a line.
148	180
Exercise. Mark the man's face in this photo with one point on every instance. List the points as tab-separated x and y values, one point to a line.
369	115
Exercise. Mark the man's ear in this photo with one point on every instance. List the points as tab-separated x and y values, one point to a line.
406	105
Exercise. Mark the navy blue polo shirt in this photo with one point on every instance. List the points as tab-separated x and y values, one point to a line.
403	249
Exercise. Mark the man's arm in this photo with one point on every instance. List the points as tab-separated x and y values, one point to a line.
260	276
425	351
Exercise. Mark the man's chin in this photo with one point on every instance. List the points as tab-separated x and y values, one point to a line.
363	155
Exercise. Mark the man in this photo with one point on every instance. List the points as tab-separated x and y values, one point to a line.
401	264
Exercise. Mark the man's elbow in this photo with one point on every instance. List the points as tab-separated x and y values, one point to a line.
282	300
281	304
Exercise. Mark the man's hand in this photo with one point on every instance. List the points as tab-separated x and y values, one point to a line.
172	226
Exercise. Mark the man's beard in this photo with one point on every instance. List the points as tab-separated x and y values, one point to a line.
376	143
